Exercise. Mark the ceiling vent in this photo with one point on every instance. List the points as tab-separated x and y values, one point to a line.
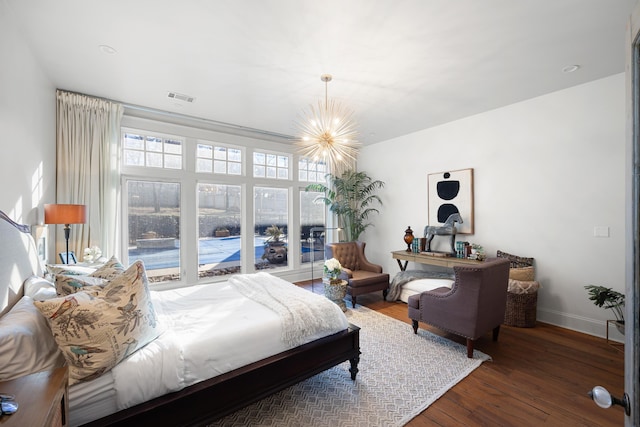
180	97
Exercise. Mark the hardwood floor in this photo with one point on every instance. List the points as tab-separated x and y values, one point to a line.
538	376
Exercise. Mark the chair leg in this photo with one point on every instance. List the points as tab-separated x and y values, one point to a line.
353	301
469	348
385	293
496	331
414	323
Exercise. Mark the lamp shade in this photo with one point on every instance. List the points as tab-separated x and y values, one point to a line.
65	214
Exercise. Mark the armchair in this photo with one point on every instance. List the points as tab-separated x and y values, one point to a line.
361	275
473	306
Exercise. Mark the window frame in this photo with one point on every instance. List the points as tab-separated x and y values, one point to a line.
193	134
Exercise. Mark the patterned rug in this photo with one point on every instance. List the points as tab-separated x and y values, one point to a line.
401	374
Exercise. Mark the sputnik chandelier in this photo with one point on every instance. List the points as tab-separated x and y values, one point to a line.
328	133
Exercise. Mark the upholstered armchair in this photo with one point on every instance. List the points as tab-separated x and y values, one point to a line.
361	275
473	306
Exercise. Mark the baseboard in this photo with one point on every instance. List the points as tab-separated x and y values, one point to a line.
586	325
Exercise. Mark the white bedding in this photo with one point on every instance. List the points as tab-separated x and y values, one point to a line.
209	330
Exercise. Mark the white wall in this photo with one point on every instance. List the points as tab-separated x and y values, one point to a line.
546	171
27	120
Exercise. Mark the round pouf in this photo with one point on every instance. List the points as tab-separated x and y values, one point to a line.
336	292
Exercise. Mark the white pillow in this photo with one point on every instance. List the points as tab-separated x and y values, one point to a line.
26	342
39	288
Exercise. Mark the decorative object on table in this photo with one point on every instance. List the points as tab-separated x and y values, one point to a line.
522	291
462	249
448	229
610	299
415	246
449	193
477	252
68	257
335	289
275	250
408	237
328	132
351	196
92	254
66	214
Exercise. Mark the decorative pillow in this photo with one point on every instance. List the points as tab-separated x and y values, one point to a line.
516	261
69	270
110	270
95	332
522	287
67	285
39	288
26	343
526	274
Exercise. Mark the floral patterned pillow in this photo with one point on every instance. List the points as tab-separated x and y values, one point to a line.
96	331
110	270
67	285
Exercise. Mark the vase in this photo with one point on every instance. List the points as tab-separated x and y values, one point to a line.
408	238
336	290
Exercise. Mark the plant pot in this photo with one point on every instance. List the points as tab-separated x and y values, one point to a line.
275	252
336	290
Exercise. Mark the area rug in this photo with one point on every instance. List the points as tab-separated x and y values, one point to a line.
401	374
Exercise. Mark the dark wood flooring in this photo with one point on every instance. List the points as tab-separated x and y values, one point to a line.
537	376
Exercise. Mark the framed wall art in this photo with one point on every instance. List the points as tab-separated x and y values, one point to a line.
451	192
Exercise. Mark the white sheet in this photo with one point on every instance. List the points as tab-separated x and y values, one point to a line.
91	400
211	329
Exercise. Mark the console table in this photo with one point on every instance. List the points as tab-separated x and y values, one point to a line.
423	258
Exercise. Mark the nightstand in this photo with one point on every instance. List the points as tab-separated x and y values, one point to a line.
42	398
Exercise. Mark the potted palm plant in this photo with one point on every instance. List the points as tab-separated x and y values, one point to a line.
610	299
351	196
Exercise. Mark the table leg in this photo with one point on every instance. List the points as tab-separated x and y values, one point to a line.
402	268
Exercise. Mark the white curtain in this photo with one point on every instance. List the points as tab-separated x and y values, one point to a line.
87	156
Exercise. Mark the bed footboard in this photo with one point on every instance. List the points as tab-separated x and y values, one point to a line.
214	398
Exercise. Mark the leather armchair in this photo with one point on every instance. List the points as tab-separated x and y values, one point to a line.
473	306
361	275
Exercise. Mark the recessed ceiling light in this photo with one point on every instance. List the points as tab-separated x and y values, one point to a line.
107	49
570	68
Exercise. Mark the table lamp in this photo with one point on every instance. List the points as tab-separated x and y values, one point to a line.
67	215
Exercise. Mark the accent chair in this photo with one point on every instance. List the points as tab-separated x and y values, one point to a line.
473	306
361	275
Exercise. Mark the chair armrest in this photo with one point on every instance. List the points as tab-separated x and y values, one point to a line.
346	272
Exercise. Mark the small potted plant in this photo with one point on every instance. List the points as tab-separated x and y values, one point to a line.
607	297
275	250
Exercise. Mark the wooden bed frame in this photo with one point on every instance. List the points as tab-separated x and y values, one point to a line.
216	397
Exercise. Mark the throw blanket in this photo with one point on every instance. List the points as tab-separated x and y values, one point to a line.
395	288
302	313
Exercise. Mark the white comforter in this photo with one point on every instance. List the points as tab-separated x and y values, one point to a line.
213	329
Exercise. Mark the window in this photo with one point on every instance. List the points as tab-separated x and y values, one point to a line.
268	165
271	207
311	171
311	215
219	226
153	217
152	151
218	159
200	205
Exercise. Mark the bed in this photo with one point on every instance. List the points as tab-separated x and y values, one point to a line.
192	372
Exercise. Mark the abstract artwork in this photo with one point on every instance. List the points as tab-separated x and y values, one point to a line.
451	192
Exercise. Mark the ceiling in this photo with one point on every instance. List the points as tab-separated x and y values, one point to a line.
400	65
